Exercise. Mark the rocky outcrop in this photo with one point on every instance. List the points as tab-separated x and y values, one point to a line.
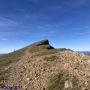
44	43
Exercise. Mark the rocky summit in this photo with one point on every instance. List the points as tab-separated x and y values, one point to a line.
40	66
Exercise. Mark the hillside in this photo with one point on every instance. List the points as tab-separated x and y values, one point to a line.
86	52
42	67
2	54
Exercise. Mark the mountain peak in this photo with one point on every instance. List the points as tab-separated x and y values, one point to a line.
44	43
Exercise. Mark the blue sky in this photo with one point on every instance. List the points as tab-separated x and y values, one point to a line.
65	23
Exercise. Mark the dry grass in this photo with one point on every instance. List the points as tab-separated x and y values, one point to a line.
57	82
7	60
43	68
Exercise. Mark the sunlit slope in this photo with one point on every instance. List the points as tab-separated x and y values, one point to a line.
42	67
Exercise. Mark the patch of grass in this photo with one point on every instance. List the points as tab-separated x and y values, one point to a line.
4	75
57	82
5	61
64	49
11	57
51	58
36	48
46	52
88	78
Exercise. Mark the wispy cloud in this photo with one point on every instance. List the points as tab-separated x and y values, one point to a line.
6	34
76	2
4	39
86	27
20	9
48	34
82	33
6	22
55	7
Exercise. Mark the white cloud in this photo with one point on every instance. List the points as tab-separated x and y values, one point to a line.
4	39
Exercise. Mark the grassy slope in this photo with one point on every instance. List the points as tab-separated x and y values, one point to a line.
56	82
5	61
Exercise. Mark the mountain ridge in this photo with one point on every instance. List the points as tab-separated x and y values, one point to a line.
40	66
86	52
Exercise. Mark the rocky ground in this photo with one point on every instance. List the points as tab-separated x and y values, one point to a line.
42	67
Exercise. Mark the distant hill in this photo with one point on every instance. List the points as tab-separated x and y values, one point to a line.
86	52
2	54
40	66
